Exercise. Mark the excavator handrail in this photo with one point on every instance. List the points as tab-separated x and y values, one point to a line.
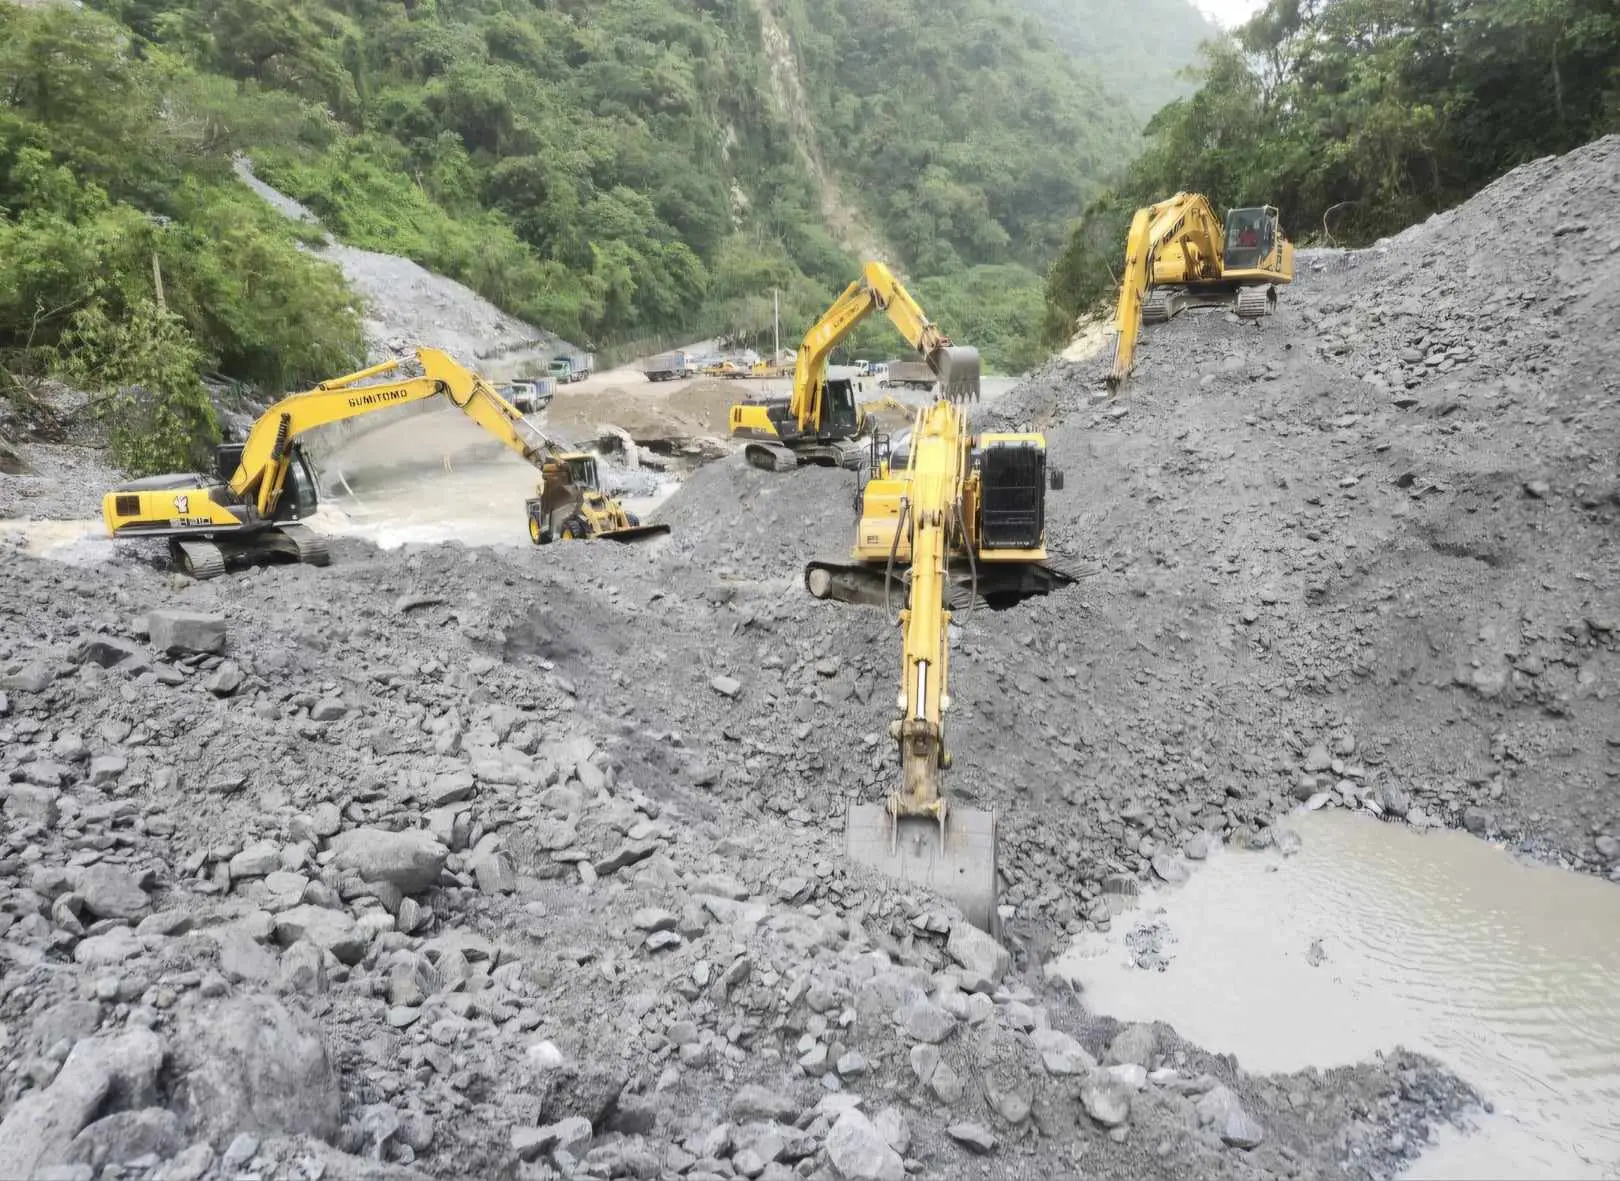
261	470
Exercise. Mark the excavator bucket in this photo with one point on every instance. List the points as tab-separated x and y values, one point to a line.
957	861
957	366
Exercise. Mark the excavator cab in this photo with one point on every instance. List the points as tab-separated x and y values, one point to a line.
1251	235
300	496
840	417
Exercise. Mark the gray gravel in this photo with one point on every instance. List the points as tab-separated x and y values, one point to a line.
446	862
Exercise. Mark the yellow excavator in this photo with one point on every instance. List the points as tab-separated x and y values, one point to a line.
821	420
1180	255
960	520
253	506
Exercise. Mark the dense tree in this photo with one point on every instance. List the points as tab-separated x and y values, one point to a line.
1358	117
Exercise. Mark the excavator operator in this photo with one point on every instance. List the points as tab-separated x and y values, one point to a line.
556	497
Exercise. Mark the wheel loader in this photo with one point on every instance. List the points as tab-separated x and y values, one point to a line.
959	523
572	506
821	422
1179	255
251	508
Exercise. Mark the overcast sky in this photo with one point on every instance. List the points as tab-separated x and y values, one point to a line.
1229	13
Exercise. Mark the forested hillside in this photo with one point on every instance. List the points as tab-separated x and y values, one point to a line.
1358	117
618	171
1138	50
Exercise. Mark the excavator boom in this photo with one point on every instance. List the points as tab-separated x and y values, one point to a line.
820	416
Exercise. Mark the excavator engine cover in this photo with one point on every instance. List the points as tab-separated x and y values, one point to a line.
958	368
958	863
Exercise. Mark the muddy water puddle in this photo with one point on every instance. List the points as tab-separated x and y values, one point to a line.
478	504
1374	935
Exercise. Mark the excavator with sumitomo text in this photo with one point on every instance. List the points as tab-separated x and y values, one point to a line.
821	421
1179	255
253	506
958	522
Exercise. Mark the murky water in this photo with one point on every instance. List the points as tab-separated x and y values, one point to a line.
479	503
75	542
1375	935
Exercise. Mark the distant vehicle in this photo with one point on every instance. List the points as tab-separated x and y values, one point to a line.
724	368
529	394
572	367
670	366
914	375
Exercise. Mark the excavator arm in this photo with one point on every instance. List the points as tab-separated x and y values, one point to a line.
876	289
914	835
1176	241
932	511
267	455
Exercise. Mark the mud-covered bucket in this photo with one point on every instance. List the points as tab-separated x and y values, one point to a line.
957	367
956	860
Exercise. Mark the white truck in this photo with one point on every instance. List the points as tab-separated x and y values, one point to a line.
671	366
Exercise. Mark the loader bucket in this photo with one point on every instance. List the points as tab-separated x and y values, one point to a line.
957	366
959	864
634	533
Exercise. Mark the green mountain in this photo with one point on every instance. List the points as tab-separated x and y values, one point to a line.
1136	50
626	173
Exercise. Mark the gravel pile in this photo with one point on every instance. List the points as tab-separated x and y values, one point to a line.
452	861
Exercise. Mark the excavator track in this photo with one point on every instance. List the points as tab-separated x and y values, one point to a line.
310	547
1254	302
199	559
864	585
771	457
778	457
1157	308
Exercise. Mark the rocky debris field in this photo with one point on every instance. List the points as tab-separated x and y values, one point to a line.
449	862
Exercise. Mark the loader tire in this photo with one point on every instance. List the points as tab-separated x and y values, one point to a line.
575	529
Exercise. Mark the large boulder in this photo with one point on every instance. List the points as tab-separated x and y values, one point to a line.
252	1065
100	1076
859	1151
178	632
409	860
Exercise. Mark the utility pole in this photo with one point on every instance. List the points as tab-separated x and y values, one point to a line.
776	326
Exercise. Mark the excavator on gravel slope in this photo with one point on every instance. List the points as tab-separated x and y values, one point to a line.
962	521
1179	255
253	506
821	420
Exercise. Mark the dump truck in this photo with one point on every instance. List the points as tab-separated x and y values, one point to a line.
572	367
910	375
670	366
